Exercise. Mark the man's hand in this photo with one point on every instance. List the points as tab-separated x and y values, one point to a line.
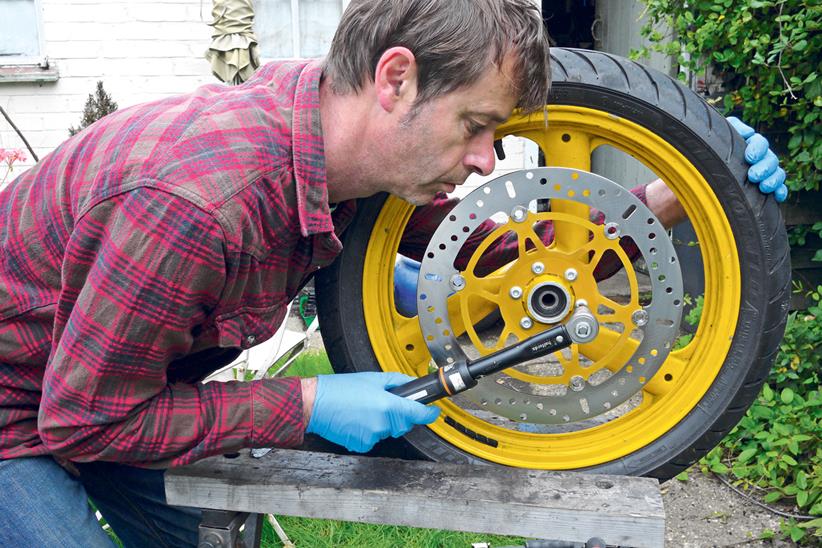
764	170
356	411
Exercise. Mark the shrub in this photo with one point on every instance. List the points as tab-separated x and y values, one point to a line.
97	105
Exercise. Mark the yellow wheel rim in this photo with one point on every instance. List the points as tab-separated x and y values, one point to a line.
571	135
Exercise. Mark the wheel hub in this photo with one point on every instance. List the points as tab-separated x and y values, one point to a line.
548	302
542	285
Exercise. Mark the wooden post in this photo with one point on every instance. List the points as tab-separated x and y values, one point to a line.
572	507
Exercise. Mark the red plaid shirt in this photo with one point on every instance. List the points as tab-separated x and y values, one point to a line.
143	253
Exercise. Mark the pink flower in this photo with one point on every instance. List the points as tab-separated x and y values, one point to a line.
10	156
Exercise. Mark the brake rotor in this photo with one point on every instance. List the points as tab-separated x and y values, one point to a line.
540	287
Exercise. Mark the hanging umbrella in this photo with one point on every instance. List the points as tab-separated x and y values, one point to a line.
233	51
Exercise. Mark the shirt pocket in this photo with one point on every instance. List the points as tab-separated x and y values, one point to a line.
249	326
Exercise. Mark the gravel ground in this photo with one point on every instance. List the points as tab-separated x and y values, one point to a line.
704	512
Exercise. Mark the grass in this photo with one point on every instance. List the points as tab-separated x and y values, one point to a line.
318	533
309	364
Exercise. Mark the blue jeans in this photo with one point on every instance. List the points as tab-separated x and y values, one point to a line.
41	504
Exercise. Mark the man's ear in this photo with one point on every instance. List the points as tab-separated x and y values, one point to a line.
395	78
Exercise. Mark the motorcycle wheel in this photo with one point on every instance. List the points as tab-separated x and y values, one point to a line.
705	383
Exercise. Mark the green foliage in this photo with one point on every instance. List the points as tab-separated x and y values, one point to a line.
769	54
775	450
309	364
691	318
797	236
97	105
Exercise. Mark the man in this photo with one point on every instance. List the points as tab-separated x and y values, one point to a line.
148	250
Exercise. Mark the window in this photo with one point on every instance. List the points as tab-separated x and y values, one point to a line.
20	36
22	55
296	28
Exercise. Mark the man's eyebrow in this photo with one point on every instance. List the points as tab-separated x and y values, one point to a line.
493	116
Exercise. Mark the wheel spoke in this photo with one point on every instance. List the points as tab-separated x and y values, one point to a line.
608	350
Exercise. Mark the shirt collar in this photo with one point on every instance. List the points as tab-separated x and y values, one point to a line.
309	154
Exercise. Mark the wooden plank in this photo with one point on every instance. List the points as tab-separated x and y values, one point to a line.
625	511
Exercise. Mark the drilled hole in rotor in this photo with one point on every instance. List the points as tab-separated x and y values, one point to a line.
543	181
430	255
452	217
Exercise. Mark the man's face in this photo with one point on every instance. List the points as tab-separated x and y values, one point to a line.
448	138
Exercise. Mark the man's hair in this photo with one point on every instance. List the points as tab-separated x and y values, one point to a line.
454	42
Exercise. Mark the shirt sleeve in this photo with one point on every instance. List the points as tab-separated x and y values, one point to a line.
143	272
425	220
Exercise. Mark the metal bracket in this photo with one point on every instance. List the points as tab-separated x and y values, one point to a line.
221	529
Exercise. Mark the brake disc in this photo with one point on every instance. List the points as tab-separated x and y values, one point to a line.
545	289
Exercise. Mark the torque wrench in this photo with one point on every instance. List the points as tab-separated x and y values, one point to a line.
459	377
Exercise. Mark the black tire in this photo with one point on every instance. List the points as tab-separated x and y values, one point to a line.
673	112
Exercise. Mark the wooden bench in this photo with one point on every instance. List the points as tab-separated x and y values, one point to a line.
572	507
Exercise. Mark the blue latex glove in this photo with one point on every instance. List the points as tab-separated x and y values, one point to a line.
764	170
355	410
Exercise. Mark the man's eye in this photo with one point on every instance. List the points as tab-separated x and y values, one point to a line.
474	128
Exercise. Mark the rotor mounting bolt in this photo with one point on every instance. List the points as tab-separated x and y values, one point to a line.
537	268
515	292
519	214
582	330
577	383
639	317
571	274
457	282
611	231
526	323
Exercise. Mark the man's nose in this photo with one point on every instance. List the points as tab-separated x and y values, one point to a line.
480	157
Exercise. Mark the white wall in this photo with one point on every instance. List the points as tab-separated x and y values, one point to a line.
140	49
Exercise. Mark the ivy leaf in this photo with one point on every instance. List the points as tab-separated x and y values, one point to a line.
789	459
682	476
767	393
797	533
801	498
719	468
746	455
787	393
773	496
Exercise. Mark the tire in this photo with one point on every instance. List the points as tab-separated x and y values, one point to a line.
703	389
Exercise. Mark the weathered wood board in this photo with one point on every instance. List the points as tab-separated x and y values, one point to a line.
623	511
